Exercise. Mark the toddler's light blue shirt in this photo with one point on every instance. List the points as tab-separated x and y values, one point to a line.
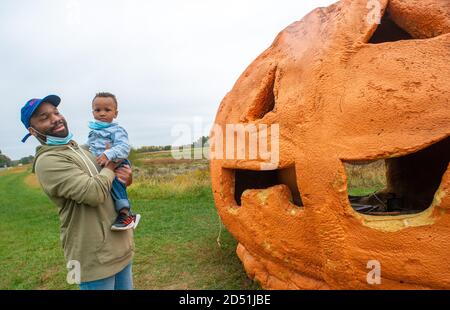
116	136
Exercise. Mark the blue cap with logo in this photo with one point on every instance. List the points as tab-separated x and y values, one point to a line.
28	109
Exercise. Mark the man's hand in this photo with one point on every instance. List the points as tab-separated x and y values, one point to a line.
125	175
102	160
111	165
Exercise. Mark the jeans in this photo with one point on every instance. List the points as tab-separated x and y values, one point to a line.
119	192
120	281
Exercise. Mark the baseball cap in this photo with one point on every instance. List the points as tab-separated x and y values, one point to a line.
28	109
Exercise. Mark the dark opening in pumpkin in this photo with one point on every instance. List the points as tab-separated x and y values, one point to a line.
250	179
265	100
388	31
409	186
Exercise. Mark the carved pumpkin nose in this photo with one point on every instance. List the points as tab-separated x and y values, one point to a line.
343	89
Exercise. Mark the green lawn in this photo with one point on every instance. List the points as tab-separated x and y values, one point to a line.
176	244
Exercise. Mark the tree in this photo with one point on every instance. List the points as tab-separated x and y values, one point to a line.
26	160
201	142
4	160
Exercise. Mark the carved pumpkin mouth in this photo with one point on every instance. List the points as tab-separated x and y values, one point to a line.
411	182
259	180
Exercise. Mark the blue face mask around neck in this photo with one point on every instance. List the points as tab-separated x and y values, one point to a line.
96	125
51	140
59	141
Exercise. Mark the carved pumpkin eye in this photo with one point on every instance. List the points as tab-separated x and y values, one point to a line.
265	99
389	31
343	93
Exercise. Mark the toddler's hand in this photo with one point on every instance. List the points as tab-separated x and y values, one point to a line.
102	160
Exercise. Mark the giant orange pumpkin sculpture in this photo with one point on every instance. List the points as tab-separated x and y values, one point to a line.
343	88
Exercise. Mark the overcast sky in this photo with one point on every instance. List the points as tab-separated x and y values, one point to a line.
166	61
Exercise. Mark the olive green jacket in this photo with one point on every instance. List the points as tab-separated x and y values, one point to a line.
70	176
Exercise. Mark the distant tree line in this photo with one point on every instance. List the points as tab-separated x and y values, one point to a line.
8	162
157	148
153	148
200	142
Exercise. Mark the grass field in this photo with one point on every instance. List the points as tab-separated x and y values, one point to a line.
176	245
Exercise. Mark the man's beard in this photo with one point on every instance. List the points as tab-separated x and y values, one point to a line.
60	134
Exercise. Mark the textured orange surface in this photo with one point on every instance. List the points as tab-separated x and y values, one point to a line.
338	96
